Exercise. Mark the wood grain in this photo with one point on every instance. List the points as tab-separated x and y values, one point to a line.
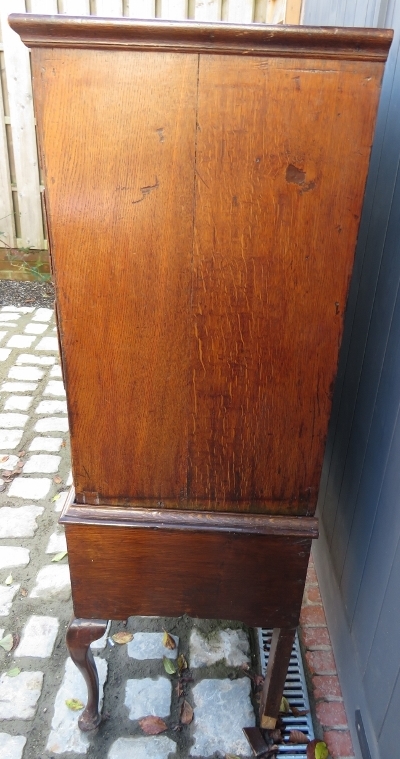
234	39
212	245
120	207
123	571
278	202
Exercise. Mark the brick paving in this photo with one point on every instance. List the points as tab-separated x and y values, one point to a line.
37	677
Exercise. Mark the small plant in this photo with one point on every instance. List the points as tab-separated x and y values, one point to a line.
18	260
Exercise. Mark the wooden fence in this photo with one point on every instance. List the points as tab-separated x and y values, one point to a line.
21	185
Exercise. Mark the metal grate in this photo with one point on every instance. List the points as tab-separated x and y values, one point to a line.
295	691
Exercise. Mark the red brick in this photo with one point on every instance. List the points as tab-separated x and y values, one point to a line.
326	686
313	595
339	743
311	575
313	616
321	662
331	714
315	637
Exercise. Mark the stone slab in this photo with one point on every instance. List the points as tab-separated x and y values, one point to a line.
52	424
52	581
12	746
10	439
7	593
32	488
46	444
147	696
57	543
19	522
13	556
18	403
43	463
154	747
149	646
26	373
222	708
19	695
38	637
65	735
231	645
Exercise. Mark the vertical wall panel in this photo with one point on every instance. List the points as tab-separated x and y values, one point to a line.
359	496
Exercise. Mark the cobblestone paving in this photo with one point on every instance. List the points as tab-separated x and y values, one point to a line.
35	600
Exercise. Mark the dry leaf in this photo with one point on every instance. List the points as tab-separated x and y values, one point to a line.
186	713
74	704
23	592
60	556
7	642
296	736
179	689
20	464
285	706
317	750
20	454
122	637
169	666
57	479
8	580
182	663
63	444
298	712
168	641
4	458
153	725
13	672
231	756
258	680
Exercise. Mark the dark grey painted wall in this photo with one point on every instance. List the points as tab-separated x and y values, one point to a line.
358	556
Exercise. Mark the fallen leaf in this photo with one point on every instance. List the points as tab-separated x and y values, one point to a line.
296	736
63	444
57	479
182	663
7	642
317	750
4	458
23	592
74	704
8	580
231	756
122	637
7	473
56	497
60	556
13	672
179	689
186	713
168	641
153	725
284	707
20	464
298	712
169	666
258	680
20	454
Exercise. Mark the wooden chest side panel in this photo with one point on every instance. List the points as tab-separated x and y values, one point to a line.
118	133
257	579
282	157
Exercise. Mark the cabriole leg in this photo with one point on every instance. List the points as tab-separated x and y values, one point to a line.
80	634
278	663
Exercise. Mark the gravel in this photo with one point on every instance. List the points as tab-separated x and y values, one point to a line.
36	294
